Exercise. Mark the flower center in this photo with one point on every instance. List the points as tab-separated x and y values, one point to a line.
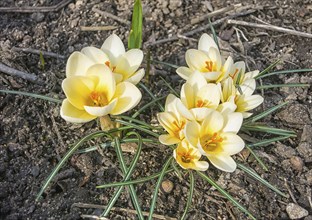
212	142
201	103
98	99
107	63
186	157
178	127
210	66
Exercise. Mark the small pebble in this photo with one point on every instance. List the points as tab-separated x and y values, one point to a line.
167	186
295	211
297	163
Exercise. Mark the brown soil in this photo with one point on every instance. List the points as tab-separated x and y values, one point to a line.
33	137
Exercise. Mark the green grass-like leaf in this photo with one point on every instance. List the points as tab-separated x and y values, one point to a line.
138	127
214	35
160	178
282	85
33	95
266	129
226	194
262	164
42	61
170	87
284	72
265	113
127	172
165	64
152	96
66	157
132	182
190	195
254	175
135	37
156	100
266	70
268	141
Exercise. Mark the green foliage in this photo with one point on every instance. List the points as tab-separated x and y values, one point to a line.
135	37
38	96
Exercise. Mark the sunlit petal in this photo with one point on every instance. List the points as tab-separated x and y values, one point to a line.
114	48
191	132
223	162
77	64
233	122
95	54
196	59
205	42
213	123
101	110
167	139
184	72
232	143
74	115
136	77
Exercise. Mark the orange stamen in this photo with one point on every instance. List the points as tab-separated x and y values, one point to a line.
234	74
209	66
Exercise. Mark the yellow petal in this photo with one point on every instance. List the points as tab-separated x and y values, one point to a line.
196	59
227	68
200	113
210	94
95	54
114	48
248	87
166	120
106	83
223	162
192	133
74	115
129	62
245	103
213	123
128	96
206	42
77	64
187	95
167	139
232	143
228	89
136	77
215	57
101	111
233	122
184	72
78	89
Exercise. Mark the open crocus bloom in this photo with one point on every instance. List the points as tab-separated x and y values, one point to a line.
216	138
188	157
197	93
206	60
123	64
243	97
172	121
96	94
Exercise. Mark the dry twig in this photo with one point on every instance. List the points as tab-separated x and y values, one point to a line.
98	28
214	13
94	206
31	9
14	72
34	51
290	192
270	27
109	15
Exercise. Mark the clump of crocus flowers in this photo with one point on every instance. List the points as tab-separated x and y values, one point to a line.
205	120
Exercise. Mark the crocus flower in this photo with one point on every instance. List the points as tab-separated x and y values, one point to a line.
96	94
206	60
241	95
188	157
124	64
216	138
172	121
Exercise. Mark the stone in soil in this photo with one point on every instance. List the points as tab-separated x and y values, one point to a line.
295	211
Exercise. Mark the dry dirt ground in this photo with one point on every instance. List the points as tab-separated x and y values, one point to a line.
33	137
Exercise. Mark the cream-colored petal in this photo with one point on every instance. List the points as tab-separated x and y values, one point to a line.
196	59
201	165
228	89
166	120
170	104
187	95
210	94
101	111
77	64
211	76
106	83
74	115
227	107
233	122
183	111
247	114
197	81
227	68
245	103
184	72
206	42
114	48
191	132
78	89
213	123
136	77
128	96
223	162
214	55
129	62
95	54
238	69
251	74
232	143
248	87
167	139
200	113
